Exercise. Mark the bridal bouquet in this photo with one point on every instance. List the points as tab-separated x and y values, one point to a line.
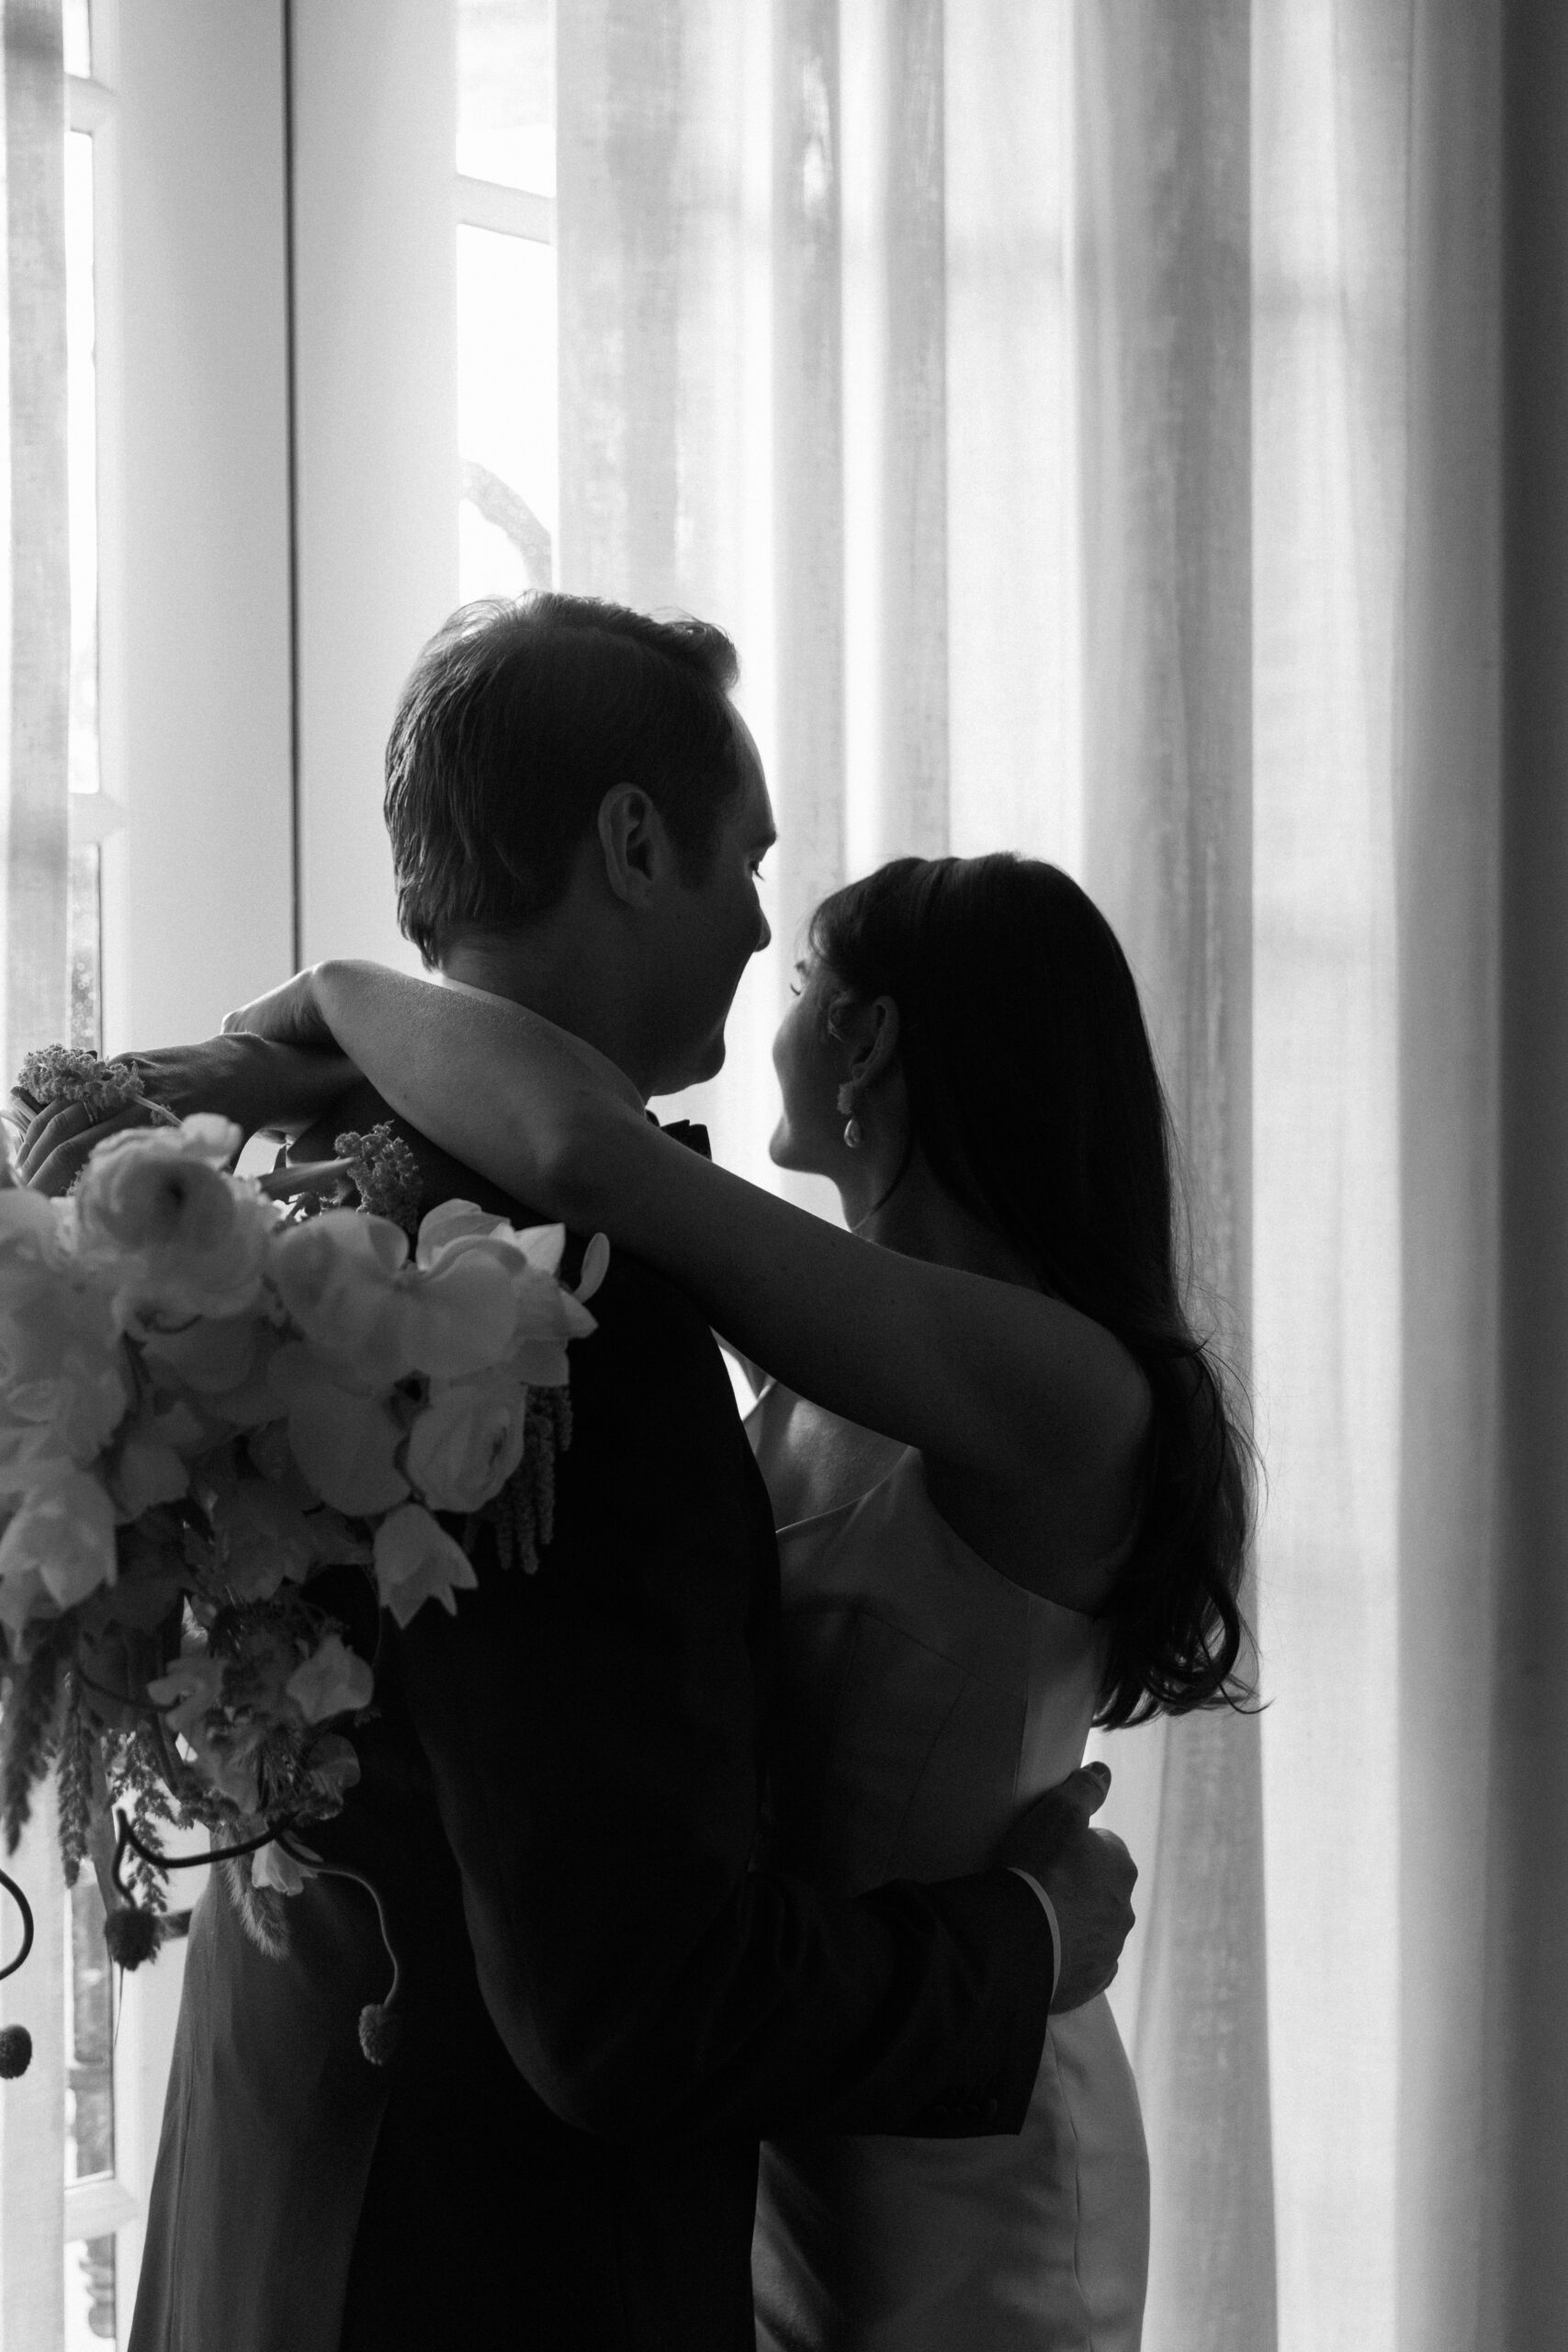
207	1395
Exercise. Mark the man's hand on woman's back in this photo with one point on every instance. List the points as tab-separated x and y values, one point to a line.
1088	1875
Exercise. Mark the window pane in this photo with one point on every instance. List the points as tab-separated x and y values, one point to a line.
78	30
85	936
506	412
82	410
507	96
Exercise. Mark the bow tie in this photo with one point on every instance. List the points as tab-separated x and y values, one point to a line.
690	1131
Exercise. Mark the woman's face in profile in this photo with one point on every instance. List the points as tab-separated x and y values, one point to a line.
809	1062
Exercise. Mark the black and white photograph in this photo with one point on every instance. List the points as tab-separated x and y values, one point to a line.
783	1176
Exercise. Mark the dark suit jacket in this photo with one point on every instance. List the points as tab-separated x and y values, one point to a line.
607	2005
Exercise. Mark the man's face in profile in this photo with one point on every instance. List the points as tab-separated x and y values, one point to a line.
710	930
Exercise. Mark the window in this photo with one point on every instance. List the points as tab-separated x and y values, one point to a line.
506	296
93	815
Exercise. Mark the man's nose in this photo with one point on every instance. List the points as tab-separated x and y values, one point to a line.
765	932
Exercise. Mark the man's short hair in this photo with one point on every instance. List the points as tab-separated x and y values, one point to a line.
518	719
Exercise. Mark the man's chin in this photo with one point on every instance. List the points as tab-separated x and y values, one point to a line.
709	1062
694	1070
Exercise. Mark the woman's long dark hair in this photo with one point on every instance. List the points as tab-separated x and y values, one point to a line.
1034	1098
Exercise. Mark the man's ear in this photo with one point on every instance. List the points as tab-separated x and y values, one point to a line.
633	842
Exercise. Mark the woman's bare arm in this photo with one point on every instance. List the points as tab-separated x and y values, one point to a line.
985	1374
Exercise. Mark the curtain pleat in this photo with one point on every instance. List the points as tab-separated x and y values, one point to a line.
1451	2176
1331	84
650	212
1165	456
1525	2273
1014	653
895	428
808	762
913	438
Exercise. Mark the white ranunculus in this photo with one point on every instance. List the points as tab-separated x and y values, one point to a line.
467	1440
417	1561
158	1214
64	1533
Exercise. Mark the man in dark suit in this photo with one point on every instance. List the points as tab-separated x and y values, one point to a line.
606	2001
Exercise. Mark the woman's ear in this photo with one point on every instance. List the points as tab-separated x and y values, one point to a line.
873	1042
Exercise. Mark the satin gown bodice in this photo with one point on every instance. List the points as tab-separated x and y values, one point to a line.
927	1700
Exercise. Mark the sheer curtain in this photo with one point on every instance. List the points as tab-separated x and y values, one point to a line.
1133	433
35	649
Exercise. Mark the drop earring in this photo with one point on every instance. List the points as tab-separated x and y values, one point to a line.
853	1134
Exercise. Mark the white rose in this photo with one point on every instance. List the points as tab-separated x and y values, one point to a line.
467	1440
158	1214
64	1533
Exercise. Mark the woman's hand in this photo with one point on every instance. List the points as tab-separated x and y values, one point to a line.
256	1084
58	1141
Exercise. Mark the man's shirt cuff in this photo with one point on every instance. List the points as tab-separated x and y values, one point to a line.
1050	1910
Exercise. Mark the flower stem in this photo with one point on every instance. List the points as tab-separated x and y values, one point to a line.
162	1115
314	1176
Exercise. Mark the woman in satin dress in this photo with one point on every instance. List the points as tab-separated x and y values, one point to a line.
1011	1491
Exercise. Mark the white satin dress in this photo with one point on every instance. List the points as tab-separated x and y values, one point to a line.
927	1700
